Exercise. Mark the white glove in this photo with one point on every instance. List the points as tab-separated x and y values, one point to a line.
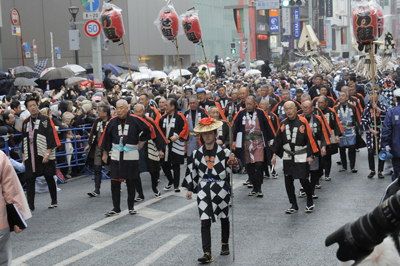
387	148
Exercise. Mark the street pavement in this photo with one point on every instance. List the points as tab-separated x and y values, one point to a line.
166	231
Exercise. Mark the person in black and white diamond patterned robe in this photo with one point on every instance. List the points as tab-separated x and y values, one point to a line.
388	86
208	176
367	125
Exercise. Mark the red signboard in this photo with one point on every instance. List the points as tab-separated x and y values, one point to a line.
99	85
14	15
262	37
343	35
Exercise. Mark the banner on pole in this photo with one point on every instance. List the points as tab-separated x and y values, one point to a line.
329	8
286	22
239	20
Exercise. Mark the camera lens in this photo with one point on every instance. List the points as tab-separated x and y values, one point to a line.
357	240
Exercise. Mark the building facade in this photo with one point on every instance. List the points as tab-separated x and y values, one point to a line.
142	39
143	42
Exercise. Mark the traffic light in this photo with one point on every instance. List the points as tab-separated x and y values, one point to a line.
233	48
293	3
244	47
285	3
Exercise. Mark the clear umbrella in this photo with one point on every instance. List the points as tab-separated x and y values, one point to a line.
74	81
140	76
158	75
176	73
252	72
24	71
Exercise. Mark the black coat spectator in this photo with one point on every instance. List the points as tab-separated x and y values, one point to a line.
7	85
107	82
265	69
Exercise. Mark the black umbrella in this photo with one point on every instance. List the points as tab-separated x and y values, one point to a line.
124	65
58	73
87	66
24	71
24	82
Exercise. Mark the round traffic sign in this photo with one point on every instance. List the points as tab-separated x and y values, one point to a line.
90	5
27	47
34	46
14	15
92	28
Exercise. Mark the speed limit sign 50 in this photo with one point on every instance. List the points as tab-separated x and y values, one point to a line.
92	28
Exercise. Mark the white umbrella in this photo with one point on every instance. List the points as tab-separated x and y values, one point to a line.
252	72
158	75
75	68
259	62
144	70
46	70
139	76
177	74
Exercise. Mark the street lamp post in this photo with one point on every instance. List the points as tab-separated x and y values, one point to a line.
73	10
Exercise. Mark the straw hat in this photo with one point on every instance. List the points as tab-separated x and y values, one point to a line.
207	124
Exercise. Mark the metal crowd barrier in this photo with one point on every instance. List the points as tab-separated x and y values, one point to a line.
78	156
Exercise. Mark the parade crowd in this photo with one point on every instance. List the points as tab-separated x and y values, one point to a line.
208	124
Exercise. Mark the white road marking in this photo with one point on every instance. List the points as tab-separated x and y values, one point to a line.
150	213
124	235
18	261
93	237
89	229
162	250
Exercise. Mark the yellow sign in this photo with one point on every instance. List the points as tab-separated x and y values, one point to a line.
16	30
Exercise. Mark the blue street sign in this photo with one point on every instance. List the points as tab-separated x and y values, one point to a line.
27	47
58	50
92	5
274	24
297	29
296	13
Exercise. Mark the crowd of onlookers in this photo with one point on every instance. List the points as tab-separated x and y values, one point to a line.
77	105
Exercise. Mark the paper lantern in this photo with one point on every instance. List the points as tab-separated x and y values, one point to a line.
112	23
365	24
169	23
191	26
381	22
